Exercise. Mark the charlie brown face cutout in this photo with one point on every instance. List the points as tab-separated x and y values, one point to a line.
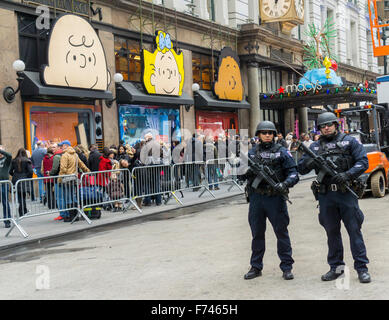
229	84
164	69
76	56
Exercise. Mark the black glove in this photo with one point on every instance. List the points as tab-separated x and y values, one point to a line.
281	188
310	164
341	178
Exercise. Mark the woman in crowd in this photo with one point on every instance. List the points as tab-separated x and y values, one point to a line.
21	168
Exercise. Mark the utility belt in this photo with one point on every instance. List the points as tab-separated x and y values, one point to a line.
265	191
357	186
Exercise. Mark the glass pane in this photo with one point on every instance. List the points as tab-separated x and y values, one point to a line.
135	121
58	126
273	81
29	52
268	80
120	43
196	74
121	65
264	82
196	59
133	46
27	24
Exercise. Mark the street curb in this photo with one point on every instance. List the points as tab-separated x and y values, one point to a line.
111	223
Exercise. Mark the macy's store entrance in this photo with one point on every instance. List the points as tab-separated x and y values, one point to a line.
217	121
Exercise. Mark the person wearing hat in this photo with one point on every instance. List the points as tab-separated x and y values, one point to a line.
336	203
268	202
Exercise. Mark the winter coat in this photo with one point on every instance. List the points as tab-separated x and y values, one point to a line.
94	161
193	151
25	172
47	165
103	178
5	164
56	163
70	162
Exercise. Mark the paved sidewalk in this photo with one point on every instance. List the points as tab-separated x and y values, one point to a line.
45	227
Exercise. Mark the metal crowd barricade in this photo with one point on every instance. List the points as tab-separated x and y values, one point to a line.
189	175
152	180
59	195
295	156
108	189
8	204
220	171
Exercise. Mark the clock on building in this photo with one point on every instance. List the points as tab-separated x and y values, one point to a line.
289	12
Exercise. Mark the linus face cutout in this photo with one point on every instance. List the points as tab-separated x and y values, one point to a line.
76	56
166	78
229	84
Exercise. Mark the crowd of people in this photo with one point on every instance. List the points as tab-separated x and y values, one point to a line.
61	159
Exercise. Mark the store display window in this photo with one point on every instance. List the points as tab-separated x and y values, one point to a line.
135	121
58	123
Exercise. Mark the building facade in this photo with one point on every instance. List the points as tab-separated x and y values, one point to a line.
200	29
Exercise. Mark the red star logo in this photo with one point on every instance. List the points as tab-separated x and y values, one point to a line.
281	90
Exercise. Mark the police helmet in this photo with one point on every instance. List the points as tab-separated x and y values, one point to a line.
325	118
266	126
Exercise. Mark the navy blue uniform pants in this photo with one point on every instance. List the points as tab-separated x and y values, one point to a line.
274	208
334	208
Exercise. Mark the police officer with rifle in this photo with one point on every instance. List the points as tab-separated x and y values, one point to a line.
271	172
338	160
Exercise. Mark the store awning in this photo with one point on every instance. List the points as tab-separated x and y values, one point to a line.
204	98
134	93
33	87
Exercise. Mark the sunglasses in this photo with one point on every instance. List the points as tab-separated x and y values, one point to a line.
267	132
326	125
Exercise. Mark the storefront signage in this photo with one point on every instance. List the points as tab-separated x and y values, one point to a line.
229	81
76	57
74	6
163	70
303	87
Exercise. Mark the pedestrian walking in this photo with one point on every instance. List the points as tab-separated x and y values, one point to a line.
335	202
268	202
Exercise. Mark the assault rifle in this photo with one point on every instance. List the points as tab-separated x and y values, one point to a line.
263	172
326	167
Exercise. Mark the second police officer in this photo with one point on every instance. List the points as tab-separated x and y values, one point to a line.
267	202
335	204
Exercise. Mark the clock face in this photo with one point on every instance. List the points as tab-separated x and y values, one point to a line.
299	6
276	8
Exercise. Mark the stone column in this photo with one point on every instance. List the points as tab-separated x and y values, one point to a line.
303	119
288	113
253	86
187	118
11	114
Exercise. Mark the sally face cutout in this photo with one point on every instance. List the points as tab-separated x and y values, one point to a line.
229	84
164	69
76	56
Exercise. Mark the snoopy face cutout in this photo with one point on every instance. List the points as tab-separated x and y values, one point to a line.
76	56
163	70
229	84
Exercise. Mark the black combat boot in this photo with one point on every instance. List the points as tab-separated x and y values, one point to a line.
364	277
253	273
287	275
331	275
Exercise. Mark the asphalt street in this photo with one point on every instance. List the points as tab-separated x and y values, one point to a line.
200	252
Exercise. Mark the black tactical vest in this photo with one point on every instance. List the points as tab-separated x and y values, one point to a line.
272	158
335	150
